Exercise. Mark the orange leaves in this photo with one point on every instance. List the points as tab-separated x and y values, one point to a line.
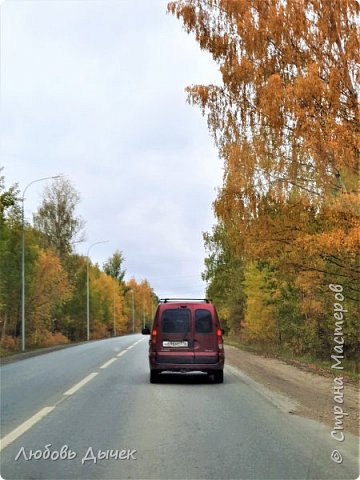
271	101
144	299
285	118
288	69
237	72
245	71
51	278
201	93
309	87
186	11
50	288
334	242
107	304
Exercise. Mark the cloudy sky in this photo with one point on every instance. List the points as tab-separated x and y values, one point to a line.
94	89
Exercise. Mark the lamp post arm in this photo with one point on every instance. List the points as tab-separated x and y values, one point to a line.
38	180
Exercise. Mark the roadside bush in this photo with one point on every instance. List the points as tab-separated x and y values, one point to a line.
47	339
9	343
98	331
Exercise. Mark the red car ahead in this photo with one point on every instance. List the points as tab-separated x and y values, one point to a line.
186	336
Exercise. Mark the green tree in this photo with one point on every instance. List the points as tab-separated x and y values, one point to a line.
113	267
72	319
10	234
8	198
224	274
56	218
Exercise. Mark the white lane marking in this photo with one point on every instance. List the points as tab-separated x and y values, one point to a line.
76	387
21	429
109	362
128	348
10	437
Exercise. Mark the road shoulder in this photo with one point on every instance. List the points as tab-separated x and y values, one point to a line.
311	394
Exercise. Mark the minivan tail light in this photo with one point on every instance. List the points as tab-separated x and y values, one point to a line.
153	336
219	338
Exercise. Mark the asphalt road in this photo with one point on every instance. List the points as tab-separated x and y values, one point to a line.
97	397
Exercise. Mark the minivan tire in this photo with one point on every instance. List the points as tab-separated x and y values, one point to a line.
154	376
219	376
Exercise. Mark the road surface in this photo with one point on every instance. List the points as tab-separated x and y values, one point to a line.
93	407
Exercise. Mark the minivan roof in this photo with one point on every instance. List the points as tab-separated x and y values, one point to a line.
184	300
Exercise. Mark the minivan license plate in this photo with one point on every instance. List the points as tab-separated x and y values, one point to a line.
167	343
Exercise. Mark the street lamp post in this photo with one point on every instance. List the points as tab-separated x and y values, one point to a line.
88	288
133	312
114	311
23	257
144	313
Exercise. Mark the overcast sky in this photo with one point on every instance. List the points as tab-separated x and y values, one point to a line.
94	89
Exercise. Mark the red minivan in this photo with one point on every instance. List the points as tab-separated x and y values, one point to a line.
186	336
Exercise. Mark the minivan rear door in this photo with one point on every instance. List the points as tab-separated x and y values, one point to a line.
205	340
175	341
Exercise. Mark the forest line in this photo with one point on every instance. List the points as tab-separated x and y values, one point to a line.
57	278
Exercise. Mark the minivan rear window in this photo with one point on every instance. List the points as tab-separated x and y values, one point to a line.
203	321
176	320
